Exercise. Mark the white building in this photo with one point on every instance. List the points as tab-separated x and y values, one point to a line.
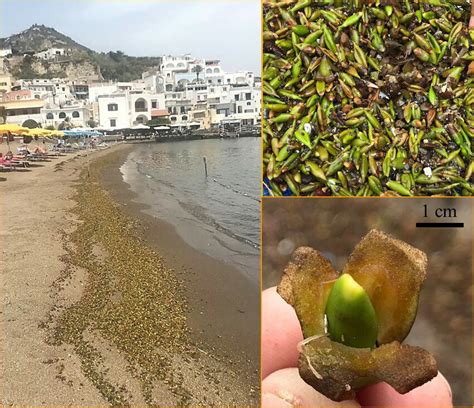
190	91
5	52
5	83
51	53
77	115
22	112
126	109
55	91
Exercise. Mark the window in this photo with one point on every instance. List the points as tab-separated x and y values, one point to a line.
62	115
237	97
140	105
219	81
154	105
75	114
248	96
228	80
113	122
49	116
184	117
239	109
249	103
111	107
37	96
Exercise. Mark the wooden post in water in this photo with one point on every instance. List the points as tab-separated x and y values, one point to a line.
205	165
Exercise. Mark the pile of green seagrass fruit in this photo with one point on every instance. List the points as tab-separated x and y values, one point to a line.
368	98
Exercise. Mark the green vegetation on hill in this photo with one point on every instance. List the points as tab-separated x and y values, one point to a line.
111	65
120	67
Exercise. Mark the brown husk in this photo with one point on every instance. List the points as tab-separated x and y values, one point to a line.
338	371
305	285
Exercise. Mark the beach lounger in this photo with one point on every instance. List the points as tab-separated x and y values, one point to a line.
7	164
20	161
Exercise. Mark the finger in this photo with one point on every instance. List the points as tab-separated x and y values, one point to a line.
434	394
471	22
281	333
285	388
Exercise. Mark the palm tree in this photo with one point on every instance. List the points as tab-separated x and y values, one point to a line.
197	69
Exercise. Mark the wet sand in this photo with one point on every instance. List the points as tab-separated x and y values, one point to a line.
86	288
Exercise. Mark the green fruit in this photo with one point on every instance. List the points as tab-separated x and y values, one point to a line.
351	318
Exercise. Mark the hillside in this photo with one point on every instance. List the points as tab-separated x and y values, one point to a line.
38	38
81	63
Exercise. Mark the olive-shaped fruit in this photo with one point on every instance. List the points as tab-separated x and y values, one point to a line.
351	318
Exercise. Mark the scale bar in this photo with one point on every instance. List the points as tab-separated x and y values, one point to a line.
439	225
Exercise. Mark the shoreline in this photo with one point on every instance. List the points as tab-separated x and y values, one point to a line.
99	364
211	214
206	303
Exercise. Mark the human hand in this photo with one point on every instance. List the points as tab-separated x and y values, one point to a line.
282	387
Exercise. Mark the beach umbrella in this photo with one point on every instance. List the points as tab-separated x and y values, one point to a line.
13	128
40	132
10	128
57	133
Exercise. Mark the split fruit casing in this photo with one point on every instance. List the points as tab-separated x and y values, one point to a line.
382	272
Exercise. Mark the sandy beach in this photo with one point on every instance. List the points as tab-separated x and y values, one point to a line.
104	305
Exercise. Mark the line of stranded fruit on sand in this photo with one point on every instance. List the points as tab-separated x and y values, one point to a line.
354	323
130	299
368	99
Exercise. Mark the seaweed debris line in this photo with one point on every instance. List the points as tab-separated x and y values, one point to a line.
128	327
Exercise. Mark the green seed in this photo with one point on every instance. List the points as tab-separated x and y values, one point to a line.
351	318
398	188
353	73
354	19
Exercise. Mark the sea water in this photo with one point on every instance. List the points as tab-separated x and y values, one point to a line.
218	214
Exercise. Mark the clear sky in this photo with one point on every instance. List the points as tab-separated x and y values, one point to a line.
223	29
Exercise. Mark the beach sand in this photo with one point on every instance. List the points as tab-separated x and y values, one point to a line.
104	305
